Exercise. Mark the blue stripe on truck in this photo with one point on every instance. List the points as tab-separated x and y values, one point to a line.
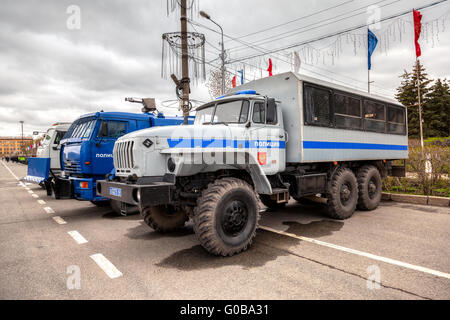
226	143
351	146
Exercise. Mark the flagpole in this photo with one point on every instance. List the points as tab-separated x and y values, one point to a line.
368	80
420	103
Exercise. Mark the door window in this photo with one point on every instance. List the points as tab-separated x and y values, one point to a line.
259	113
114	129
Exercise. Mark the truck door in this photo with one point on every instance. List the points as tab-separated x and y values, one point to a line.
109	131
267	137
55	150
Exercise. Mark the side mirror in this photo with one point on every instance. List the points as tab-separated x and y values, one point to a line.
271	117
104	129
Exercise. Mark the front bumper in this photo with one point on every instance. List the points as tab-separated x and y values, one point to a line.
143	195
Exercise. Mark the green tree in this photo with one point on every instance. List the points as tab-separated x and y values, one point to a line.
408	96
436	110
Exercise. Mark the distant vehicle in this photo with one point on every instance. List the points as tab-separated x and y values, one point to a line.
276	138
47	163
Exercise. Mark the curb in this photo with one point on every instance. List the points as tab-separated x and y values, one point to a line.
410	198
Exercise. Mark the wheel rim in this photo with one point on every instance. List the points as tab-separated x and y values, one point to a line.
346	193
234	218
372	188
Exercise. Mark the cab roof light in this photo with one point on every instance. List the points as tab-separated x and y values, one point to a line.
243	92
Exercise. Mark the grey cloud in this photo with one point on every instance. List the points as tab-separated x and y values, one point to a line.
49	73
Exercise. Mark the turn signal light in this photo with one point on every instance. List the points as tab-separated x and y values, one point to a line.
84	185
87	163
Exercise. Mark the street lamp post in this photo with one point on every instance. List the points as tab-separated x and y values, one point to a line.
222	55
21	145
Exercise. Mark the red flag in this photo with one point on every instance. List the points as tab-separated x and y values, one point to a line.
417	31
233	82
270	67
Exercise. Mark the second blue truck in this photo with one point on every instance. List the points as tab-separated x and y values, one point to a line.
86	153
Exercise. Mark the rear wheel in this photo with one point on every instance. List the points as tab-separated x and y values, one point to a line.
165	218
342	194
369	187
226	217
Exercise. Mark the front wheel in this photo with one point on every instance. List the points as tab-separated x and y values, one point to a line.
164	218
226	217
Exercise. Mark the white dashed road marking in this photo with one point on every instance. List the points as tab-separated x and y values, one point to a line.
49	210
59	220
41	201
106	266
10	171
34	195
30	192
361	253
77	237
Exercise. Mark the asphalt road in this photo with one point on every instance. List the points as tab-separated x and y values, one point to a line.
398	251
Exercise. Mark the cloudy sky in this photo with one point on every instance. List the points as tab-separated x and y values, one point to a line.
51	70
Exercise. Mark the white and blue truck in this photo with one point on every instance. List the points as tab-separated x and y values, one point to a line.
271	139
47	162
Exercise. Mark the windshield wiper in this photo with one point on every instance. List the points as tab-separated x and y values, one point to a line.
221	123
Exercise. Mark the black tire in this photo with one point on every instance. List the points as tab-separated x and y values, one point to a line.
369	188
164	218
226	217
270	203
117	209
100	204
53	190
342	194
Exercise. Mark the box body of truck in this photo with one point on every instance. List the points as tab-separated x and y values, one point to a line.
324	135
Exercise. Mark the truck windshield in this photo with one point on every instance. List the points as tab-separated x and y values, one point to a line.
227	112
82	128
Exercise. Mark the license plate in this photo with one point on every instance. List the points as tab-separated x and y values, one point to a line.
117	192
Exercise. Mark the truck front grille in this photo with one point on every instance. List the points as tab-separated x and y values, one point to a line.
72	167
123	156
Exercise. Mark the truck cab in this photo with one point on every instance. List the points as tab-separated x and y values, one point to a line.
50	146
287	136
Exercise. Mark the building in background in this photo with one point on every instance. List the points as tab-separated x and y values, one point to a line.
14	145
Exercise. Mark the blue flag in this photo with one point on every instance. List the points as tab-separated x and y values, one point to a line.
242	76
372	42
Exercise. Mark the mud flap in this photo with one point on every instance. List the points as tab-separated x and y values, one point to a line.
38	170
